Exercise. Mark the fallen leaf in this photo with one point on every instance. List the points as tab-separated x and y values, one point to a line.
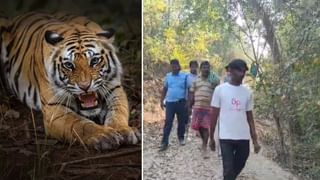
12	114
4	127
47	142
26	152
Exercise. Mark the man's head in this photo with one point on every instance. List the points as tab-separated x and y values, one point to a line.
205	68
193	65
175	66
237	69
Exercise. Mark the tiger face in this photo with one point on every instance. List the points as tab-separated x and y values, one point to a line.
66	66
84	71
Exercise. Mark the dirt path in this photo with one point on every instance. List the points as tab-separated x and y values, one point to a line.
186	162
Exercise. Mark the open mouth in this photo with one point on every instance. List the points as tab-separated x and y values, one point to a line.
88	100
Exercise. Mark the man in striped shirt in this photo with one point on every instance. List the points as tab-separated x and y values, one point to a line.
200	97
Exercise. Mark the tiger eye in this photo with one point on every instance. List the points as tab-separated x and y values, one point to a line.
68	65
94	61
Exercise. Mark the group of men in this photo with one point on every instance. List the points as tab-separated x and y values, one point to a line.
206	99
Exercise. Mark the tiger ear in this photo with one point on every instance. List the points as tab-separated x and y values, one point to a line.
52	37
108	33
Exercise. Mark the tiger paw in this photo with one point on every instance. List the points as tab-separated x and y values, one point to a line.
107	139
131	135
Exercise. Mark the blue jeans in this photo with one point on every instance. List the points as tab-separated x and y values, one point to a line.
234	156
173	108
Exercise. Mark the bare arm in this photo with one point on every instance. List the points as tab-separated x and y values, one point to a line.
253	132
215	115
191	99
163	95
252	127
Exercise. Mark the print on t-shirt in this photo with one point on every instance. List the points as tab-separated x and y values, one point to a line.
235	104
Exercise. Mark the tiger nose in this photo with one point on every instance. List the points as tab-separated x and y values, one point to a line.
84	85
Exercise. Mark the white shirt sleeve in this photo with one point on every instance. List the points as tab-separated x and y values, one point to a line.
216	100
249	105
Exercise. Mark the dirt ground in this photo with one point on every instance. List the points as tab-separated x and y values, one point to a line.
186	162
26	153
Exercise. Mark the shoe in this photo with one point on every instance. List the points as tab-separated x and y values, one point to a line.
163	147
182	142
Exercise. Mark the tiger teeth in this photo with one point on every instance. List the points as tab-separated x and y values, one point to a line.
94	104
89	93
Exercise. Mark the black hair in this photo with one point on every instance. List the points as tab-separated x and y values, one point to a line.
237	64
174	61
193	62
203	63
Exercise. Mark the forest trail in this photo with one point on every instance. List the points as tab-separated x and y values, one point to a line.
186	162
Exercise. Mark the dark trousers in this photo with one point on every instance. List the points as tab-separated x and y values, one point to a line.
234	156
172	109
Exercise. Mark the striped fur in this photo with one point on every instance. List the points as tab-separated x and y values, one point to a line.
67	67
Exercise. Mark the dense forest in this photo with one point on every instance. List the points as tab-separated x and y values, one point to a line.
278	38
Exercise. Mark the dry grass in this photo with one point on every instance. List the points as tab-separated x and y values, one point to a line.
26	153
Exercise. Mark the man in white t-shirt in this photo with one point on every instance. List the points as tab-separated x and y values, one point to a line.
233	103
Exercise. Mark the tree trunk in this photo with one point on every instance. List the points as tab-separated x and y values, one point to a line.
270	32
276	56
276	118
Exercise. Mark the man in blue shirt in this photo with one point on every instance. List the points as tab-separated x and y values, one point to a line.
174	91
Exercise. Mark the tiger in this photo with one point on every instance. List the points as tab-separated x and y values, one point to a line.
66	66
